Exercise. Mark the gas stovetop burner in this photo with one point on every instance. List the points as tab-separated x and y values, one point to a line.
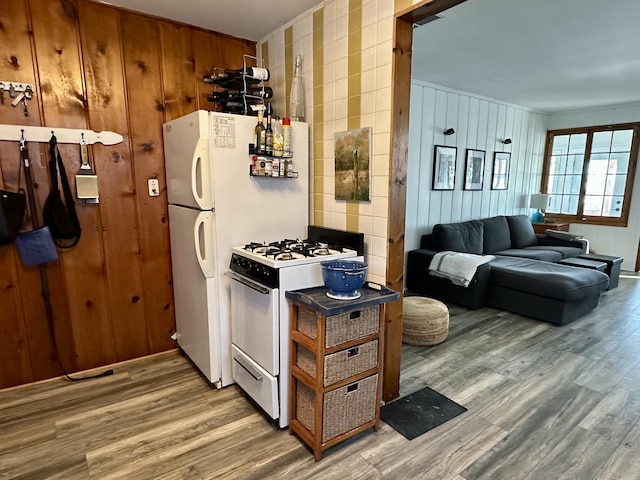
284	255
280	253
289	249
255	247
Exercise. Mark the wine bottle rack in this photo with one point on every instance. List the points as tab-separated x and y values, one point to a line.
243	103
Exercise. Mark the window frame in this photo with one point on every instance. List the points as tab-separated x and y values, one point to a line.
621	221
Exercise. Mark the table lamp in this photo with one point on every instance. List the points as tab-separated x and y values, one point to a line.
539	201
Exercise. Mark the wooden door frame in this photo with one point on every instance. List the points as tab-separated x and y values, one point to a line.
399	149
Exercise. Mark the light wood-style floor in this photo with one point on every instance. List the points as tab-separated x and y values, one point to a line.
544	403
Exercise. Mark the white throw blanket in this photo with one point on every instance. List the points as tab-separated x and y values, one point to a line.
456	266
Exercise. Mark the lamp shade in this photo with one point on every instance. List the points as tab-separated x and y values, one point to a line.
539	201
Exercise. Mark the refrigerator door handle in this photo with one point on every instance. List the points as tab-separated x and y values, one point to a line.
200	173
203	243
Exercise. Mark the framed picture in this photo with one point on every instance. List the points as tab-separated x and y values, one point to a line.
500	178
474	170
353	164
444	167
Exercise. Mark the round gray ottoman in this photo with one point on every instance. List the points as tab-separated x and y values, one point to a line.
425	321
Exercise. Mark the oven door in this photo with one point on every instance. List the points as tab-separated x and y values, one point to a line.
254	321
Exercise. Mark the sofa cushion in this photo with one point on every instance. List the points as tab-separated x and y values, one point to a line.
522	234
458	237
532	253
566	252
496	234
547	279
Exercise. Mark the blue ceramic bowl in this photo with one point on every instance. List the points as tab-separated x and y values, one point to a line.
343	277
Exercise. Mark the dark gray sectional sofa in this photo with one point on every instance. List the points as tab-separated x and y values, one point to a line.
523	278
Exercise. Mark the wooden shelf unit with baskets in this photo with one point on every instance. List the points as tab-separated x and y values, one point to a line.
336	368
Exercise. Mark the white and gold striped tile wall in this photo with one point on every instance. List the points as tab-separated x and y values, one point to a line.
346	47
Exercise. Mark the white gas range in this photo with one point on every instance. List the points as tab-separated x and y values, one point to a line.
260	312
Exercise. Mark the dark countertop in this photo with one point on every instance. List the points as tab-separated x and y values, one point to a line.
316	298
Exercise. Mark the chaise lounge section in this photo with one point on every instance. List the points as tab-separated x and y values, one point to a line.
523	278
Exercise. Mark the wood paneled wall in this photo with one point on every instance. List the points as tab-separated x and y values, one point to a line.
98	67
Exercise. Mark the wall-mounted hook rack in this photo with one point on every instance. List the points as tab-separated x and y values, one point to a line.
18	93
14	88
64	135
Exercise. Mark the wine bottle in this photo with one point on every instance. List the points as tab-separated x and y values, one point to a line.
252	95
240	105
253	75
296	103
239	83
268	133
224	96
261	92
259	132
234	107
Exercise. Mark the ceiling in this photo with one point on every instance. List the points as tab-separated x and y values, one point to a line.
249	19
548	55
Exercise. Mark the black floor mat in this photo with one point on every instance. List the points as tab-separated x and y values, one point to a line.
419	412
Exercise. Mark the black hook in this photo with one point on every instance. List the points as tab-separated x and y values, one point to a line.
23	142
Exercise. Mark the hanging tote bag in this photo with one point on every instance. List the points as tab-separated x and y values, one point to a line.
12	209
35	247
58	214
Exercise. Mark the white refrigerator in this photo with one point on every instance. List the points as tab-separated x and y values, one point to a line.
214	205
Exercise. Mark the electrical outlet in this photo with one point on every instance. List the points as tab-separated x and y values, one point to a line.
154	187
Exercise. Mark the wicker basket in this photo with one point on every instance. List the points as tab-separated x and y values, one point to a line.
306	322
342	364
349	407
340	328
344	408
305	406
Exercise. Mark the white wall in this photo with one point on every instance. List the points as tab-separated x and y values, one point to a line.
480	123
618	241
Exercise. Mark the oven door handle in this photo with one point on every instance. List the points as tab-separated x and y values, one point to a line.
250	370
245	281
